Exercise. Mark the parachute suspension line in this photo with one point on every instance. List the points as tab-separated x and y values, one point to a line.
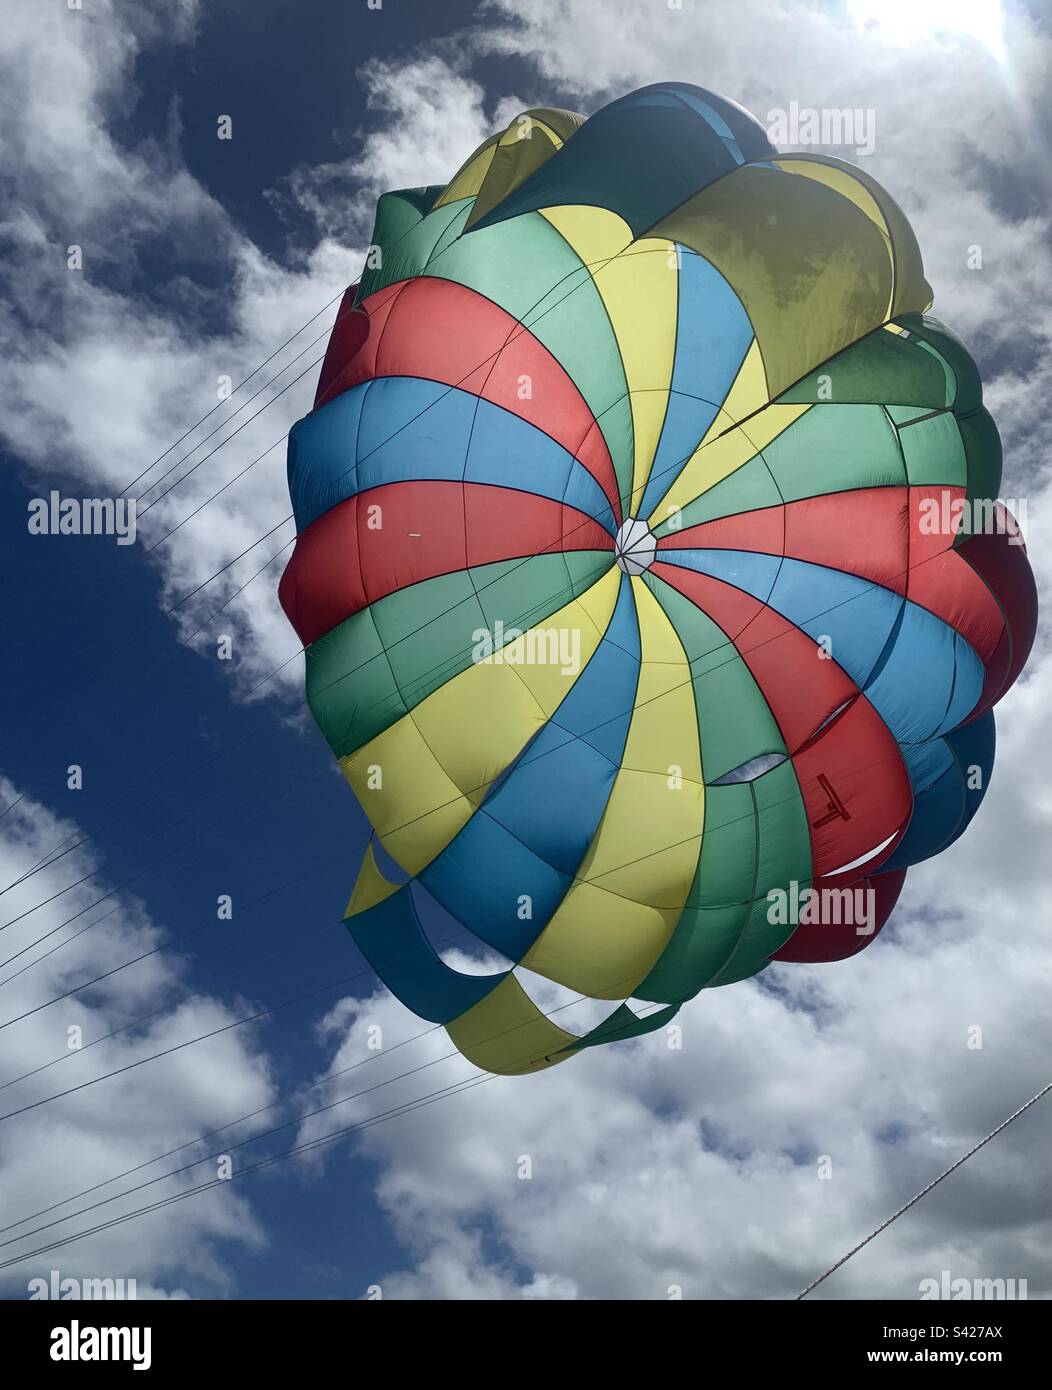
189	995
177	1047
439	1093
11	805
258	412
186	433
925	1190
199	1139
248	549
185	997
289	340
211	454
42	863
215	614
252	417
243	406
456	1088
113	892
218	492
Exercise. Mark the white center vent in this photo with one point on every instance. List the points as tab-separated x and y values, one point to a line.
634	546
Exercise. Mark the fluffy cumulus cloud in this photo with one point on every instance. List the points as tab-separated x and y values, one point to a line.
946	115
426	116
105	363
54	1151
792	1116
649	1167
108	363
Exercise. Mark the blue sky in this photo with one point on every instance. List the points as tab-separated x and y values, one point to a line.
201	256
235	801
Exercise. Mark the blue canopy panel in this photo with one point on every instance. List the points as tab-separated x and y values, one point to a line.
921	676
393	429
713	334
533	830
949	777
642	156
390	937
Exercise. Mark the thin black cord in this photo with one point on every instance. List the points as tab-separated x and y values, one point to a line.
525	1058
243	406
924	1191
218	406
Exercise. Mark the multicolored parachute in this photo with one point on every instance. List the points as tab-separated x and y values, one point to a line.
639	570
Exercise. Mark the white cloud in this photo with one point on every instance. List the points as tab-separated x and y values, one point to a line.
699	1168
427	117
100	379
57	1150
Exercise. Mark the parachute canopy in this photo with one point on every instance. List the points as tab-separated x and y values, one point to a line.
638	569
